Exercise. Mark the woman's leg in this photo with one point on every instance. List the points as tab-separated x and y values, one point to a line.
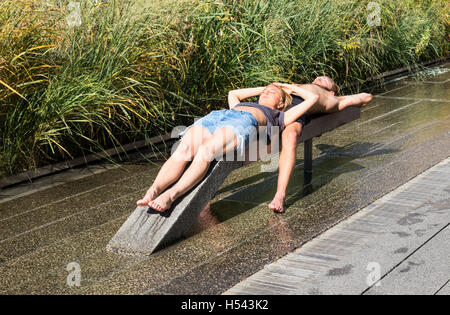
175	165
221	142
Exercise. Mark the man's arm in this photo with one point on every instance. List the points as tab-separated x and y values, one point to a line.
329	103
358	100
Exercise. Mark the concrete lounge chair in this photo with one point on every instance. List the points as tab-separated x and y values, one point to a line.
146	231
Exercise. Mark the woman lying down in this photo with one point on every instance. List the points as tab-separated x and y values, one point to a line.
222	131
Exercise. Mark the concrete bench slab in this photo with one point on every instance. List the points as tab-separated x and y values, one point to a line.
146	230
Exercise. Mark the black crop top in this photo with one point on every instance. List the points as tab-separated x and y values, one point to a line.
306	117
273	117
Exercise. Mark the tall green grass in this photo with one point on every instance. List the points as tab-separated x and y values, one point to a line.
131	71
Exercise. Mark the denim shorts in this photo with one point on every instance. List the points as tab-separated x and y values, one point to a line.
242	123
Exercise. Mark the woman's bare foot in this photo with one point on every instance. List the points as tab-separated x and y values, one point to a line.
151	194
163	202
277	203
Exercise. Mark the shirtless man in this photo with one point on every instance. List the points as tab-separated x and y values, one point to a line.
329	102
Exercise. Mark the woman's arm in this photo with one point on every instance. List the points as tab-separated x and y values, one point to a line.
236	96
295	112
297	90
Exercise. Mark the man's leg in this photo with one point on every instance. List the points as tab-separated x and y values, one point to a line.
286	163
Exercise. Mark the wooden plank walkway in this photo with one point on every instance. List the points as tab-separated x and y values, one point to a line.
400	240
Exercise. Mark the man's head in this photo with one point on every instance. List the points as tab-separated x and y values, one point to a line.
275	97
327	83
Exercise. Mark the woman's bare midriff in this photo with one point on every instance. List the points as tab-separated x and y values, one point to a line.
258	114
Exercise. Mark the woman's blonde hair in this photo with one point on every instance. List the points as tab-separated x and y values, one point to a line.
285	97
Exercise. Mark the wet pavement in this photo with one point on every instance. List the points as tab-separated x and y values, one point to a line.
396	245
402	133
